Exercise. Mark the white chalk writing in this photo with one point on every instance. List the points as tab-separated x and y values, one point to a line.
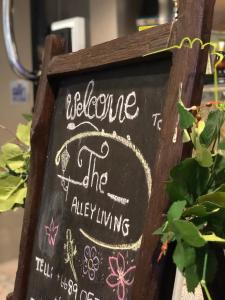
102	106
43	267
93	177
157	121
102	217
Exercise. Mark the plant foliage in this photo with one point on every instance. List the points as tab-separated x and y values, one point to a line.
196	188
14	167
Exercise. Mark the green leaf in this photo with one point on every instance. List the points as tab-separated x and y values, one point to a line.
219	170
192	278
161	229
23	133
17	165
217	197
188	181
10	151
216	222
186	137
178	190
189	233
196	131
16	198
203	156
184	255
200	128
176	210
186	118
199	211
167	236
221	145
2	162
19	196
196	210
3	174
212	128
10	191
213	238
27	117
12	157
8	185
6	205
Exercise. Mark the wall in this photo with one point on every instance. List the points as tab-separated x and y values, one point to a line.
10	116
128	12
44	12
219	15
103	21
110	19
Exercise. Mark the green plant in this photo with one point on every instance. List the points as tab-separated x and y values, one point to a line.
14	167
196	189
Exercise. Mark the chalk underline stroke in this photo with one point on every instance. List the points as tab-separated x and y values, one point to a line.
73	126
121	200
132	246
69	180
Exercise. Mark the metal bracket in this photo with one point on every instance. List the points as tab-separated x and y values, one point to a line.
10	44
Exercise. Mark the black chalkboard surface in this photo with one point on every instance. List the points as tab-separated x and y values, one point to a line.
97	184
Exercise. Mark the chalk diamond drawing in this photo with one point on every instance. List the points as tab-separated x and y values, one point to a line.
65	157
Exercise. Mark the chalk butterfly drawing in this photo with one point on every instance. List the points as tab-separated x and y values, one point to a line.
51	231
70	252
91	262
120	278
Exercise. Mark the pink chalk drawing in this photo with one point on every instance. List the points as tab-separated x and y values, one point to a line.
120	278
51	231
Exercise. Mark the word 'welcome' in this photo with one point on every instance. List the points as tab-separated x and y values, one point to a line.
102	106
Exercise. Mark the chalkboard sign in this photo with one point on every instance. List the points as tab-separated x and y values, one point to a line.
103	141
98	181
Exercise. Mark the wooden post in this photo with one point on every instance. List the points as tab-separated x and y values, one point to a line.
39	144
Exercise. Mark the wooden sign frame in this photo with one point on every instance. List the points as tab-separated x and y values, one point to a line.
195	21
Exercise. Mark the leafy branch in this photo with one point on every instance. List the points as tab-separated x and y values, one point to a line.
196	189
14	167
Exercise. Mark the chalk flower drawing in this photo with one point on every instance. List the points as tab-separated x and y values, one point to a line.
70	252
91	262
51	231
120	278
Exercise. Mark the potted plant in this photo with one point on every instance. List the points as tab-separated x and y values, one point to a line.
195	221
